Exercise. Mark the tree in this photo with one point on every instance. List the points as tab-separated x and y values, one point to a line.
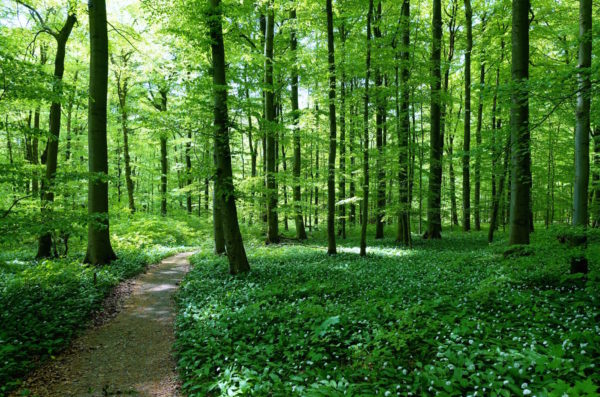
51	153
236	254
270	131
99	249
122	80
331	249
434	197
582	116
403	126
520	135
466	157
365	203
297	167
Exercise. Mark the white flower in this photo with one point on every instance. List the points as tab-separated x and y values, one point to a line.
526	392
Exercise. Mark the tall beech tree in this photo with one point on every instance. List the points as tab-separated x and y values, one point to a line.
297	166
365	198
50	156
520	135
403	126
270	131
331	248
99	249
434	196
582	117
236	254
466	157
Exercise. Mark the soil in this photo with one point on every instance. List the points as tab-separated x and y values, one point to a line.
129	351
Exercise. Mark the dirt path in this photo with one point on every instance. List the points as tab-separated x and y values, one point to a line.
129	355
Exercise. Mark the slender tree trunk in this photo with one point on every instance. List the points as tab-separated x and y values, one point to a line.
466	157
99	249
498	199
188	171
365	203
123	91
238	262
331	248
297	167
380	101
477	197
342	193
70	116
520	136
434	227
352	192
403	126
270	131
47	188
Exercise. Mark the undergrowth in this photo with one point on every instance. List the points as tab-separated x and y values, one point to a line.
45	303
449	317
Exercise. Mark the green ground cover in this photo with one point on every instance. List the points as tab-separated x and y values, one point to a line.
450	317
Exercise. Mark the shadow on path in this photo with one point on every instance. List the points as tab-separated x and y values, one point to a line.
131	354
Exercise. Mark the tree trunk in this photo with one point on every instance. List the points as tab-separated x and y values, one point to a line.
352	192
365	203
466	156
218	231
188	171
238	262
520	136
582	117
122	91
403	126
47	188
434	227
380	101
99	249
297	166
342	193
498	199
477	197
331	248
596	180
270	131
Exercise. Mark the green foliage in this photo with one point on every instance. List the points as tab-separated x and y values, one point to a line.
450	317
44	304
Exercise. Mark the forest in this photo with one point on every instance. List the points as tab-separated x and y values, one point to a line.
299	197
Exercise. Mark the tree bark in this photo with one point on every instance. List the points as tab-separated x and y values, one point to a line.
582	117
520	136
297	166
365	203
236	254
466	156
47	188
380	101
331	248
270	131
342	187
99	249
434	227
403	126
122	92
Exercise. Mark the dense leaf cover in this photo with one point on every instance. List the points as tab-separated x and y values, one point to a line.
450	317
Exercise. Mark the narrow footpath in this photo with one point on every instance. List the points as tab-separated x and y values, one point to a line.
130	355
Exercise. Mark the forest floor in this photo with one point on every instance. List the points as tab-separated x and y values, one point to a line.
130	354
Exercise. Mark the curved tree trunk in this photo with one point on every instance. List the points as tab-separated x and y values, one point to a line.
51	155
238	262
